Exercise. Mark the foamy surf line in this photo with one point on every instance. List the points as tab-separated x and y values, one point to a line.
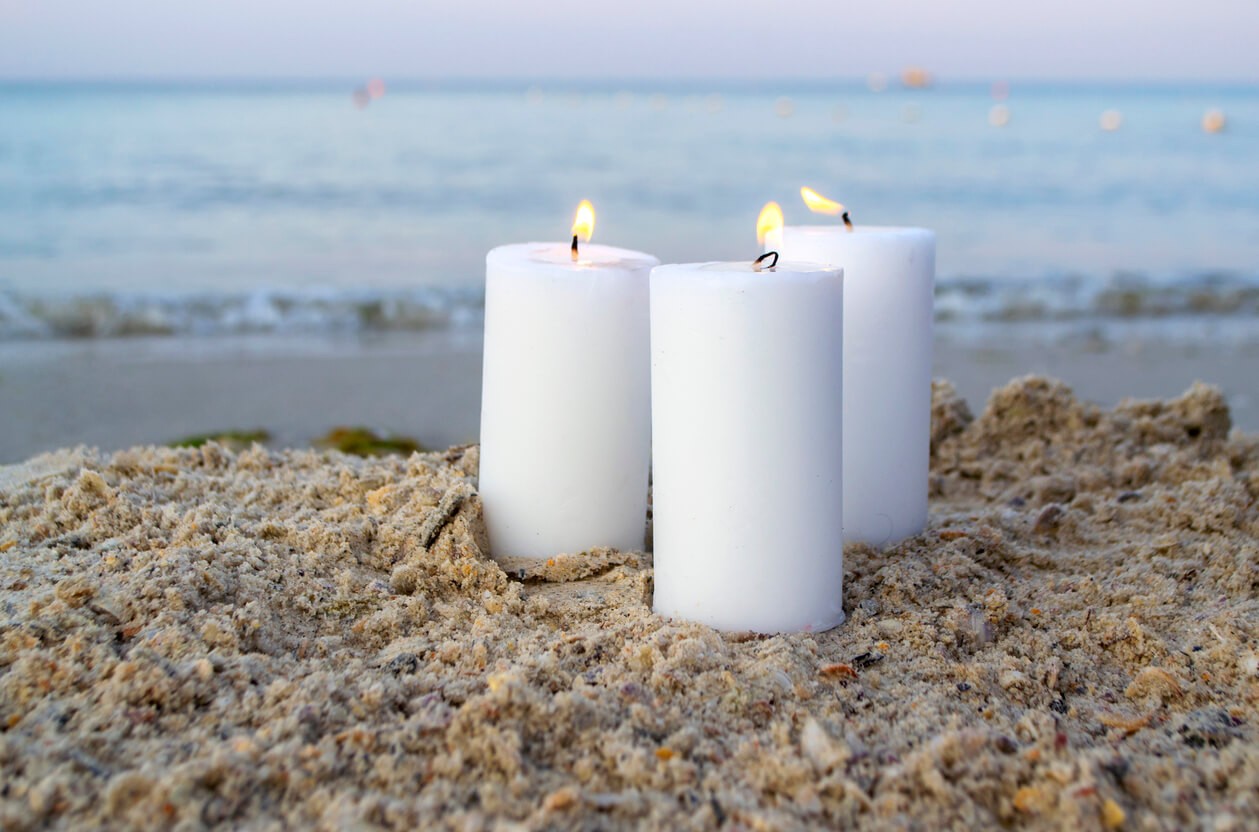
1074	297
286	311
261	312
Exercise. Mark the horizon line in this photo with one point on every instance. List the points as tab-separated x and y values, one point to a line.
892	79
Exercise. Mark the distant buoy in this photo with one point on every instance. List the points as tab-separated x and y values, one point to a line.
999	115
916	78
784	107
1111	120
1214	121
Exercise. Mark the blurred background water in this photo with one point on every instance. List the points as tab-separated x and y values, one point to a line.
201	209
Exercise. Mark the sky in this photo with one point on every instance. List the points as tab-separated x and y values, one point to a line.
1207	40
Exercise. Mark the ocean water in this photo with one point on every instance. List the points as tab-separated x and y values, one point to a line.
207	209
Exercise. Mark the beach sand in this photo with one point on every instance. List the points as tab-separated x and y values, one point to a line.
194	638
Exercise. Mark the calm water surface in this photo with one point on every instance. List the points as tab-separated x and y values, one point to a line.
248	207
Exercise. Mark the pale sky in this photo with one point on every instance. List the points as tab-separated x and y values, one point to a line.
979	39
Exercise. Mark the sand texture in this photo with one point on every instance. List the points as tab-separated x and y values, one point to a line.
192	638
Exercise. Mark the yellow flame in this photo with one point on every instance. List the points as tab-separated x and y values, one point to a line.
819	204
584	221
769	221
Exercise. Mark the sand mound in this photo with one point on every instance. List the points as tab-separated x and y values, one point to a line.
192	637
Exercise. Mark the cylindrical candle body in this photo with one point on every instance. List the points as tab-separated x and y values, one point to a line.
889	285
747	407
565	404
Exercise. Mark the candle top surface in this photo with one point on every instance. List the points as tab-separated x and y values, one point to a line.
559	255
745	267
884	231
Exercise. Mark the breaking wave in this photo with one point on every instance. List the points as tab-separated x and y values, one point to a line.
960	301
281	312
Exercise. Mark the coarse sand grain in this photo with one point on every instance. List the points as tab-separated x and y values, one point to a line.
195	638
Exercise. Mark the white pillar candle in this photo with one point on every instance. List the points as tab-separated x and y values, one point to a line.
747	406
565	406
889	277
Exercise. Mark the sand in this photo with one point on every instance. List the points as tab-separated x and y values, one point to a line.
192	638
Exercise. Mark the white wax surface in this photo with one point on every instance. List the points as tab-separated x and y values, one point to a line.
747	407
565	408
889	284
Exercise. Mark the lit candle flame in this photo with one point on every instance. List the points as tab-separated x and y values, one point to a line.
583	225
769	222
819	204
584	221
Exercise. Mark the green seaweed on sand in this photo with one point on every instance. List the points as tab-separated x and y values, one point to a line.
360	441
234	439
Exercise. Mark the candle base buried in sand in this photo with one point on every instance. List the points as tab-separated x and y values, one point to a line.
889	284
565	409
747	408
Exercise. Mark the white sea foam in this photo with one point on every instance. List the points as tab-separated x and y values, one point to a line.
271	311
961	302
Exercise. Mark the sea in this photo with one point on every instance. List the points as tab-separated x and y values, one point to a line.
350	207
